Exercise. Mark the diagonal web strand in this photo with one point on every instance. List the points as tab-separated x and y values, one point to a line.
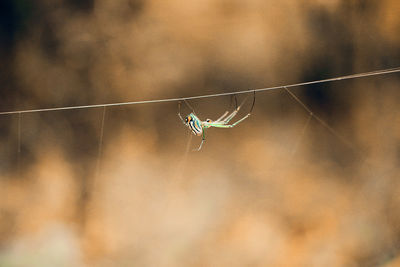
323	123
300	138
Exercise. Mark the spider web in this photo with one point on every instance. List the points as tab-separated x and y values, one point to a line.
311	115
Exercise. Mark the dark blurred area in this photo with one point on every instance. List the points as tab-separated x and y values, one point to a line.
273	191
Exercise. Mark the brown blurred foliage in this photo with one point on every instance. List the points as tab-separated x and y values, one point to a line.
261	194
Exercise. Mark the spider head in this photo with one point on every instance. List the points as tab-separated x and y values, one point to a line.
208	120
188	119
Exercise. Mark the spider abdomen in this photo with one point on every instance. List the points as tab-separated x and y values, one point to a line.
194	124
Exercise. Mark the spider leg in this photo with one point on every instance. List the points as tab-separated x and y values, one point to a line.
254	101
223	116
179	112
203	139
233	114
190	107
220	119
220	125
225	124
235	101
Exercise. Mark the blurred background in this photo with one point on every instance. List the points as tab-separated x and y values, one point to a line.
273	191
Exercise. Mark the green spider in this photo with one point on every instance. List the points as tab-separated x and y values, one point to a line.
199	127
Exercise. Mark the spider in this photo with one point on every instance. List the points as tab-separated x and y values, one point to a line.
198	127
